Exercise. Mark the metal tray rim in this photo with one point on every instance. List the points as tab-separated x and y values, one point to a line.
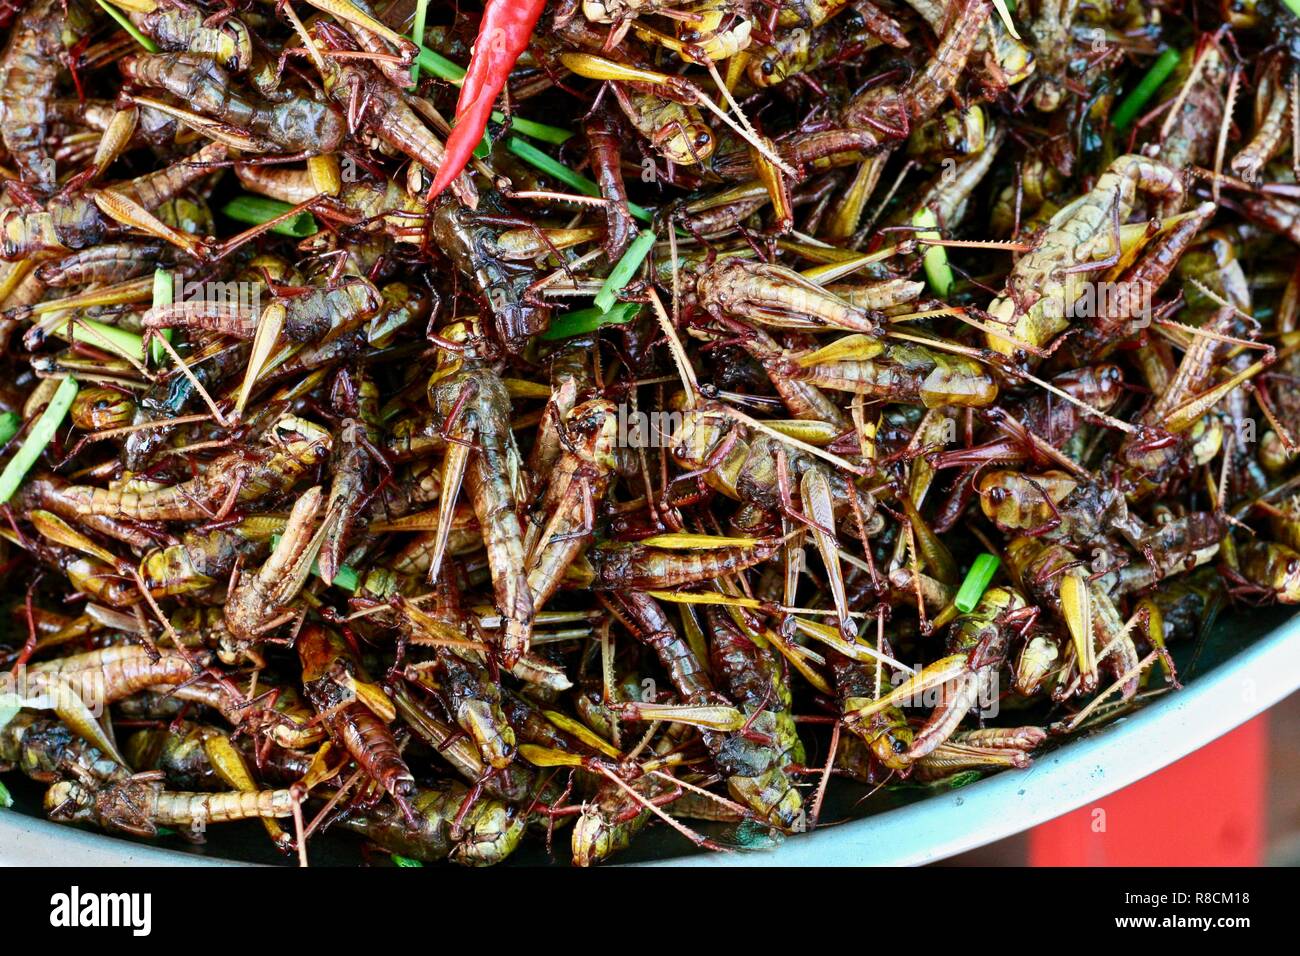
924	832
1065	779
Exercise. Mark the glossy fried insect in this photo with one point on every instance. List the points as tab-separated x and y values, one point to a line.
691	420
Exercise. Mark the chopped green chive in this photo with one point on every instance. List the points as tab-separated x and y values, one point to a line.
162	295
937	271
1132	105
345	577
128	26
255	210
435	64
547	134
624	270
399	860
554	168
6	801
959	780
438	65
162	288
41	434
977	581
583	321
534	157
10	422
417	33
101	335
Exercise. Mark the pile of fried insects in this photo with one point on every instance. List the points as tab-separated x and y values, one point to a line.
469	427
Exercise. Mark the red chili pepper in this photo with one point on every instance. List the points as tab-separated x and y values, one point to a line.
502	37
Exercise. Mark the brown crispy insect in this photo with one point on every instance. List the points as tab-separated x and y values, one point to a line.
644	475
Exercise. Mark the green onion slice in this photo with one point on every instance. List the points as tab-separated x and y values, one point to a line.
935	259
977	582
583	321
417	34
345	577
1132	105
41	435
624	270
10	422
162	295
534	157
128	26
255	210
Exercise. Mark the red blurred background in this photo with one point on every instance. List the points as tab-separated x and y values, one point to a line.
1235	802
